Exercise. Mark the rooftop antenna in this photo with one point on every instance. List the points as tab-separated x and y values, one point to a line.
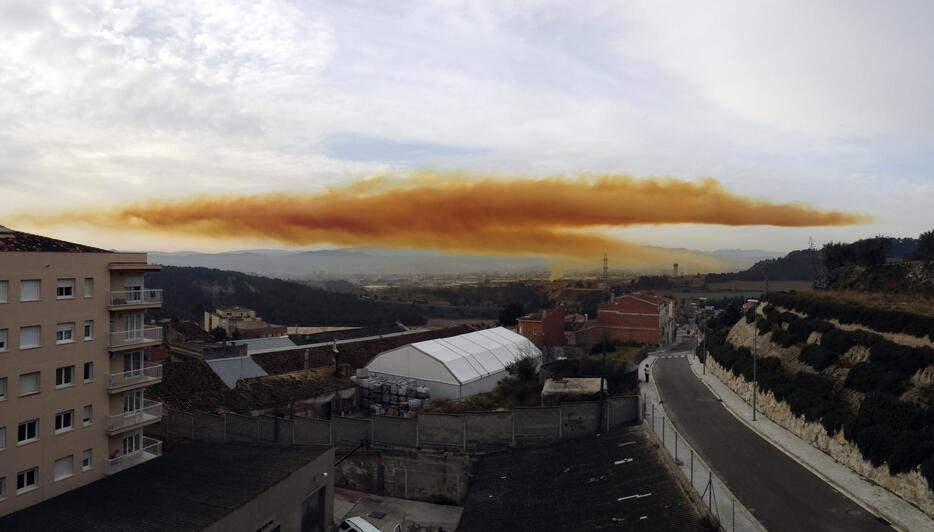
606	272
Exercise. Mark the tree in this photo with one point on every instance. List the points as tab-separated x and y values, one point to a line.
925	250
510	314
219	334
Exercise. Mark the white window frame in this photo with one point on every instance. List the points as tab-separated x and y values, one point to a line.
88	330
38	343
4	388
60	419
4	291
65	289
133	402
65	333
38	290
61	373
28	487
132	442
34	438
71	470
4	340
88	287
87	372
87	459
38	383
87	415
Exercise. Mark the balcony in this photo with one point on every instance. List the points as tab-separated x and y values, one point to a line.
135	338
135	299
149	414
120	382
152	448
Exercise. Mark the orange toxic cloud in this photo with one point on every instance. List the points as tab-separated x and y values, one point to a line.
561	218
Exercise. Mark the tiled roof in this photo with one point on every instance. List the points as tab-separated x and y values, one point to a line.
192	385
187	489
18	241
357	354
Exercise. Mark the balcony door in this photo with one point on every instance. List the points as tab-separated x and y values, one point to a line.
133	364
134	327
133	403
132	442
133	287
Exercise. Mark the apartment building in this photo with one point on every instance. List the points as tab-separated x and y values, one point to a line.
73	366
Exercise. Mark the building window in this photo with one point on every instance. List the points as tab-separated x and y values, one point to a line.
65	333
88	415
64	467
27	432
29	337
63	421
29	383
2	388
133	402
26	480
2	488
4	291
86	460
30	290
2	438
65	289
88	287
88	330
88	371
64	376
3	336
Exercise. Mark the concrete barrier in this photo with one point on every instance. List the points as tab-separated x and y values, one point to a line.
209	427
624	411
350	430
181	425
395	431
486	428
579	419
241	428
440	430
538	423
311	431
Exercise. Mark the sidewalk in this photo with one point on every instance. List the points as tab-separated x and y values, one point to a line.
875	499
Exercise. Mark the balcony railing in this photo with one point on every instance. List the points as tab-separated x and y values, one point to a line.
151	449
135	337
129	298
151	412
144	376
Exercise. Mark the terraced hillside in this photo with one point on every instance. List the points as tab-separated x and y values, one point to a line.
856	382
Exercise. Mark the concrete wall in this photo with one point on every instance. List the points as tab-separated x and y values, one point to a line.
283	503
441	430
424	475
471	430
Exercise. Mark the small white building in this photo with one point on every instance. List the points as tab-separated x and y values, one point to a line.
459	366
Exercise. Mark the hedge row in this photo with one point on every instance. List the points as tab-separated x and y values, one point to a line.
892	321
885	429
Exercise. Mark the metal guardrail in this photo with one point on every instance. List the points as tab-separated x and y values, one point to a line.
146	375
151	411
135	336
151	448
127	298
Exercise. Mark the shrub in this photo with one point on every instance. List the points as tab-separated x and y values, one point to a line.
875	443
868	377
763	325
900	359
927	470
909	450
751	315
816	356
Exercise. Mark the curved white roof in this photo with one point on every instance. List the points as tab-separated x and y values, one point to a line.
458	359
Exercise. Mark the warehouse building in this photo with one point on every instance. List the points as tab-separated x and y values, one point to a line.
458	366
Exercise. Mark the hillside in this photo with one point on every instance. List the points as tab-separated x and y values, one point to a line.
798	265
857	382
909	278
189	291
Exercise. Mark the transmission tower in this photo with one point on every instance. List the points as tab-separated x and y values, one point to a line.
606	273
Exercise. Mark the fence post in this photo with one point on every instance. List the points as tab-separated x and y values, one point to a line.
663	432
676	446
733	518
418	436
692	468
709	497
560	422
225	427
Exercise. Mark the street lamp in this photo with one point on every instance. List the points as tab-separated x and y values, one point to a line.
755	380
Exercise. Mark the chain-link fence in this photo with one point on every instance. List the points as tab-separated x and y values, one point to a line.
721	503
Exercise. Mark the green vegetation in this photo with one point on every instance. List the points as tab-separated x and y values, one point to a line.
798	265
520	388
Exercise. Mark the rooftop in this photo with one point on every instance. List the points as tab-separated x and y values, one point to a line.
579	484
187	489
346	334
17	241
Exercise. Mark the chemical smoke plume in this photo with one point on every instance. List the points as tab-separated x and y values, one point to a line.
561	218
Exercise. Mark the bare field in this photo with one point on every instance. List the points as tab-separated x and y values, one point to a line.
885	301
774	286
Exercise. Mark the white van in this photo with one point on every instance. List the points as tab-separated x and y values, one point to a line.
357	524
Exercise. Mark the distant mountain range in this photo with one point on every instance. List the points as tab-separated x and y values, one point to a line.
356	262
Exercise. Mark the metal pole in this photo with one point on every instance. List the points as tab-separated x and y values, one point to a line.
676	446
710	487
692	468
663	431
755	380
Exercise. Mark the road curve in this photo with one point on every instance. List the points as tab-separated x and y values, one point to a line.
781	493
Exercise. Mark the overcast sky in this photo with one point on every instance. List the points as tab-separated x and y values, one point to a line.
110	102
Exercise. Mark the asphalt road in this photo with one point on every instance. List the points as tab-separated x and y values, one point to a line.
781	493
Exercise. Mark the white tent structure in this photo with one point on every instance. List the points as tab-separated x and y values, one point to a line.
459	366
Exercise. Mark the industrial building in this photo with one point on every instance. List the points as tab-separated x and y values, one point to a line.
458	366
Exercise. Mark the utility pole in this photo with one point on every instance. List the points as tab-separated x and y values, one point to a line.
767	276
755	379
604	423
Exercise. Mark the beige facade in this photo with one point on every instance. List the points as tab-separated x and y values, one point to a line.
73	322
